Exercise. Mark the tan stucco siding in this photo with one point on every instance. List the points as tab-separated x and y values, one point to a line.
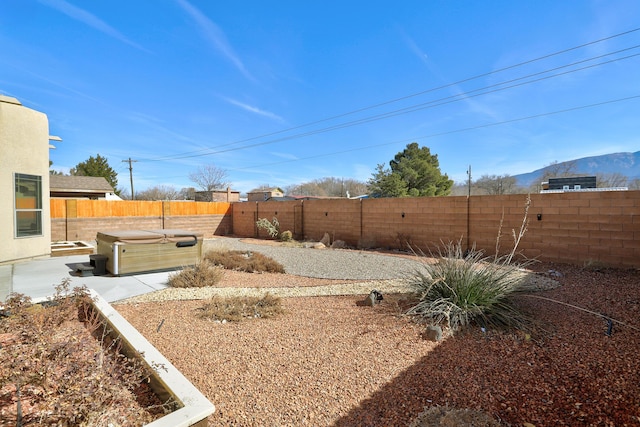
24	148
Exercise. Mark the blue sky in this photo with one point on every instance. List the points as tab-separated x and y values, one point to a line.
285	92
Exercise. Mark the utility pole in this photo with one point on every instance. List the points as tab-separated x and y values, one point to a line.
133	197
468	205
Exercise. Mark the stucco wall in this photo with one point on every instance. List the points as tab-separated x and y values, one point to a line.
24	148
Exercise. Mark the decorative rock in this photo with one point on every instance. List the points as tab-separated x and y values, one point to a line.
373	298
433	333
326	239
338	244
319	245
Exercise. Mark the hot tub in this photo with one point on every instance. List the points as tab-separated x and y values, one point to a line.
136	251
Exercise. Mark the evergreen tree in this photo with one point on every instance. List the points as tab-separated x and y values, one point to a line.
96	166
414	172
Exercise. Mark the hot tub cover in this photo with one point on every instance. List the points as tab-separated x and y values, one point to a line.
141	237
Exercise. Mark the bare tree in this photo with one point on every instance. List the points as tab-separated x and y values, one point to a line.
262	187
329	187
634	184
209	178
560	170
188	193
159	192
306	189
615	179
496	184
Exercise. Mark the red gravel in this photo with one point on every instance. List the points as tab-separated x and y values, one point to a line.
328	361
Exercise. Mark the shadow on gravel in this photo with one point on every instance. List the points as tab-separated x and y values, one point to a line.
569	373
402	399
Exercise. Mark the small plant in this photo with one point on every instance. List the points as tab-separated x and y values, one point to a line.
250	262
235	309
199	276
286	236
272	228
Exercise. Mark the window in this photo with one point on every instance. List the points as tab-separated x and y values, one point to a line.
28	205
565	187
577	187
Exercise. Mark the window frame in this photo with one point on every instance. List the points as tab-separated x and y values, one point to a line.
19	232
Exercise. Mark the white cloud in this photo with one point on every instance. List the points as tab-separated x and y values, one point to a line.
215	36
287	156
89	19
474	105
255	110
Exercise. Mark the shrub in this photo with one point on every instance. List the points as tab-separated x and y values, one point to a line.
464	287
199	276
235	309
272	228
286	236
250	262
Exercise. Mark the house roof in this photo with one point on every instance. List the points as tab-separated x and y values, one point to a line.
82	184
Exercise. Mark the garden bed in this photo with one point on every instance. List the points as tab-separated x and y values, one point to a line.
75	360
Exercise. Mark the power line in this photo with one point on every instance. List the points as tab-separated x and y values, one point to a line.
468	129
560	52
435	135
434	103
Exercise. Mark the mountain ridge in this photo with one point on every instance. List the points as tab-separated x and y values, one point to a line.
625	163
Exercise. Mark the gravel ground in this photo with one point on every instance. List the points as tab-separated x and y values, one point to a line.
331	361
323	263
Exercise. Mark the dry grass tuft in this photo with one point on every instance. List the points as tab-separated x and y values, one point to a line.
198	276
445	416
235	309
250	262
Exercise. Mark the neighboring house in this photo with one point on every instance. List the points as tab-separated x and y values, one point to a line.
575	183
262	195
24	182
217	196
80	187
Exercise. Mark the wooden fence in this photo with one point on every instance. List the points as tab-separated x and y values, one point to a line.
79	219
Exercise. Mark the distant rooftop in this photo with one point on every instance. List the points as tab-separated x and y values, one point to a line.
579	190
88	184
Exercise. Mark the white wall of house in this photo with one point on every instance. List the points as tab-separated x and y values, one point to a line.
24	150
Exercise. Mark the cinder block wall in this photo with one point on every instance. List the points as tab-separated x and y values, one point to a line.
576	228
245	215
421	223
341	218
210	225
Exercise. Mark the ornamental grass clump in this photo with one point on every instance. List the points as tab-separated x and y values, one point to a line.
247	261
465	287
199	276
460	289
